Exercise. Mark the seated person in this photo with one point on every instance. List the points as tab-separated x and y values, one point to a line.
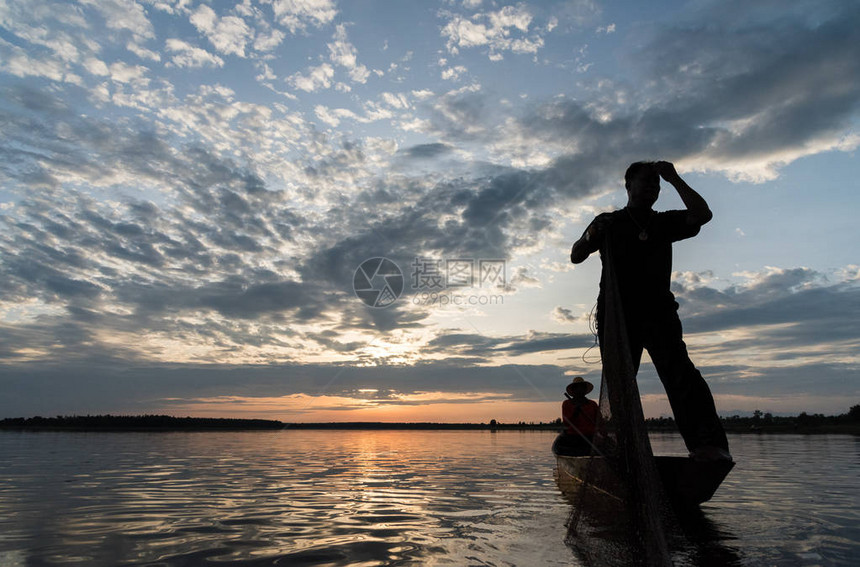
580	417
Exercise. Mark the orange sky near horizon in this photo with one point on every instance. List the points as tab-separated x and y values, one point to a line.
420	408
321	409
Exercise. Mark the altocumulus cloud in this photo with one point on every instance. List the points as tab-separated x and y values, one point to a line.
156	230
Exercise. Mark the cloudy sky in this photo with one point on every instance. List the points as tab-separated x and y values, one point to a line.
189	192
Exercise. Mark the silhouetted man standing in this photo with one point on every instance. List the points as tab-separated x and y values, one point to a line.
641	242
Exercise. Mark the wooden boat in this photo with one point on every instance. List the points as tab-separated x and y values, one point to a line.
687	482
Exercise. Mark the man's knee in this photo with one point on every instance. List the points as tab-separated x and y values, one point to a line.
675	368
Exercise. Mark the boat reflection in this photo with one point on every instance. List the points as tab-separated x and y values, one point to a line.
705	542
600	533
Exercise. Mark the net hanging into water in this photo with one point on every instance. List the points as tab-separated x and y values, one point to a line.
622	439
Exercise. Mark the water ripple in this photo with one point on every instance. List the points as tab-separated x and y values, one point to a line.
380	498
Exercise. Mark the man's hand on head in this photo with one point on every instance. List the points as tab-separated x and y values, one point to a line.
697	207
666	169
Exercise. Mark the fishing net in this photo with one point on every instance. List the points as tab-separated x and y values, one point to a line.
622	449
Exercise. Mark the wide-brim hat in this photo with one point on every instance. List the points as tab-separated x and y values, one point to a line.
578	385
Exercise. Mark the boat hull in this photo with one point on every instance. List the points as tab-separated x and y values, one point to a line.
686	482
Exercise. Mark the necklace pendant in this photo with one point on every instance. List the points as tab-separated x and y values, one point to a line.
643	235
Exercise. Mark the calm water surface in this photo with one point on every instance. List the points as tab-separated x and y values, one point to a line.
384	498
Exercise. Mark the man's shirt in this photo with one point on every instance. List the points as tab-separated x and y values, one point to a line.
643	268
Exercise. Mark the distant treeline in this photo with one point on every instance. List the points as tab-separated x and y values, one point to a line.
758	422
137	422
766	422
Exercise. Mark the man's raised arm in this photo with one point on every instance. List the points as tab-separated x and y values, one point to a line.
698	211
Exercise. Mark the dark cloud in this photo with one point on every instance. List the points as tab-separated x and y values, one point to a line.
473	344
413	231
103	385
462	115
801	308
428	151
793	80
252	301
564	315
544	342
38	100
66	247
464	344
726	90
789	381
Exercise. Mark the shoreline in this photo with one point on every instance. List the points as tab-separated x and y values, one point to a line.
169	423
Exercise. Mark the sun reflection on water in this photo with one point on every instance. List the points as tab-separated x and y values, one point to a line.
295	497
